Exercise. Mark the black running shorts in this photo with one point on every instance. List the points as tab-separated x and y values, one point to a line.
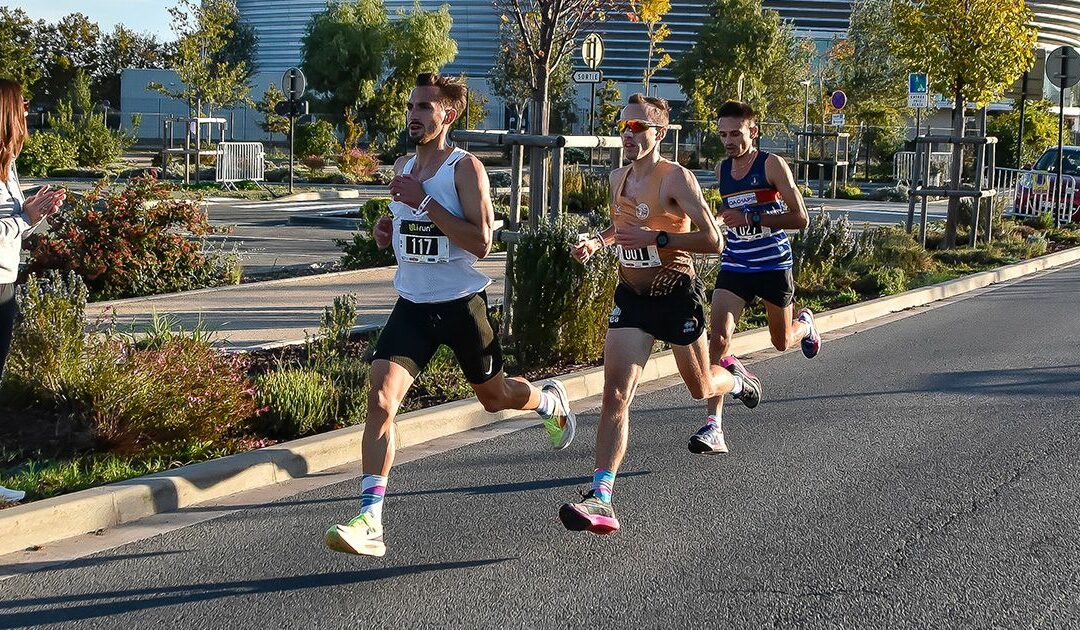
415	331
775	287
677	318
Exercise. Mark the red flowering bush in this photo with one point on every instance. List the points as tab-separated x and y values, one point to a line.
166	399
132	242
358	163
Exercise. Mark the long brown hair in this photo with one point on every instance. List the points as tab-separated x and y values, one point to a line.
12	125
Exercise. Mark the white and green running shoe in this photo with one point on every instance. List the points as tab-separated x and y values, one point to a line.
362	535
562	423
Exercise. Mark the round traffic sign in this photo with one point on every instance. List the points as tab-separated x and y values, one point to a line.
838	99
592	50
293	83
1063	67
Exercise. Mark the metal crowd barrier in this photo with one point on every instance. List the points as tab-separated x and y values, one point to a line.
1032	193
904	165
240	162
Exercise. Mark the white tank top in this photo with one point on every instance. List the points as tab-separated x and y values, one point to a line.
431	268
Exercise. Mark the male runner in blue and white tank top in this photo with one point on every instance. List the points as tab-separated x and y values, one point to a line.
760	202
441	225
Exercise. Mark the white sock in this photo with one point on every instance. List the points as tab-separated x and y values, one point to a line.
372	491
713	420
548	403
736	389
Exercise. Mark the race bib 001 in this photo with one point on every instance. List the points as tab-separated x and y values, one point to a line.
639	258
422	242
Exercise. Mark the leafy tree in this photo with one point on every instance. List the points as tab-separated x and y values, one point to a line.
210	77
746	53
124	48
271	122
73	43
18	40
1040	131
650	13
609	103
511	79
972	50
366	64
547	30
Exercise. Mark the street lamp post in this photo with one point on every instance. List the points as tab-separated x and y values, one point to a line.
806	130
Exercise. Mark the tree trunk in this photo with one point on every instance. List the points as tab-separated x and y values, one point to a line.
955	169
539	124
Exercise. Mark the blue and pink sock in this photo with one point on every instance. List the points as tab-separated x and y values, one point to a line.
603	482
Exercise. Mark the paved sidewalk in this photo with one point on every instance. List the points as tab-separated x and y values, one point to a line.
279	310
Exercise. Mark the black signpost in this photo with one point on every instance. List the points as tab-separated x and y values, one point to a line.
1063	70
293	84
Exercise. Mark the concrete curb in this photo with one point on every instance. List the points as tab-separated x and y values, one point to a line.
320	195
49	520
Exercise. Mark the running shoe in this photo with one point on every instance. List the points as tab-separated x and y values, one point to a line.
811	343
561	424
751	391
709	440
11	496
589	515
362	535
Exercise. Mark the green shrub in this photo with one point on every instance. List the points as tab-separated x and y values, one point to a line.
441	380
361	252
317	138
849	192
297	401
806	191
49	340
45	151
892	246
95	144
560	306
373	210
138	241
898	192
1044	221
824	246
575	155
715	201
883	281
1064	235
329	354
586	192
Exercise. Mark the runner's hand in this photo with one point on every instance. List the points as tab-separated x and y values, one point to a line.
383	232
734	218
408	190
584	249
635	237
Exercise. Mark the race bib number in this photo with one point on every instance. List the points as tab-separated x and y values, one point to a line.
639	258
750	232
741	200
422	242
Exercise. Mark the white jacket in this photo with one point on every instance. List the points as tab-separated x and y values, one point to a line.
14	225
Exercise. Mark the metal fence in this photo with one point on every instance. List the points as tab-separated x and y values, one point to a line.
904	165
240	162
1032	193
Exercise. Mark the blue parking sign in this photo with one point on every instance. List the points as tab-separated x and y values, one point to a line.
918	83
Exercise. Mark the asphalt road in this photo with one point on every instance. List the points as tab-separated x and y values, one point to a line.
920	473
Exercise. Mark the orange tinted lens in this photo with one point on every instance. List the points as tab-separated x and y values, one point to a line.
637	126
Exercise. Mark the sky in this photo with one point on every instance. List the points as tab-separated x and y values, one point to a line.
140	15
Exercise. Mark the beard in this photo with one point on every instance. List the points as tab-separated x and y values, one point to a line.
427	134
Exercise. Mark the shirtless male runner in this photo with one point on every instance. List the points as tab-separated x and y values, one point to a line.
760	202
655	203
441	225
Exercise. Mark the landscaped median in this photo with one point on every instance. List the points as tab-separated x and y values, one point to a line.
61	517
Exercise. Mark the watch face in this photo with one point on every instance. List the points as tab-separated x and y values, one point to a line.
662	239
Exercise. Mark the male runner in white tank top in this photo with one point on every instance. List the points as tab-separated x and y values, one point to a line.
655	205
442	223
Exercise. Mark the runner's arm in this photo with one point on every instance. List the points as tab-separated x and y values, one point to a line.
473	233
685	192
795	217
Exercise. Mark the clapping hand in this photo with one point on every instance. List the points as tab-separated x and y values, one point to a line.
43	203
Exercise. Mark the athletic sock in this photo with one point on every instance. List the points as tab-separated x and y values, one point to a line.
603	483
736	389
372	491
548	404
713	420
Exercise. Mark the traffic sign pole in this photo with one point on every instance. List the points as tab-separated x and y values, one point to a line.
1061	137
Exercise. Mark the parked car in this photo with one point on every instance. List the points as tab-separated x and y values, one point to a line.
1034	188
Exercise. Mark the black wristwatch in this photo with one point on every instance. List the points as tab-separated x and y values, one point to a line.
755	218
662	239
